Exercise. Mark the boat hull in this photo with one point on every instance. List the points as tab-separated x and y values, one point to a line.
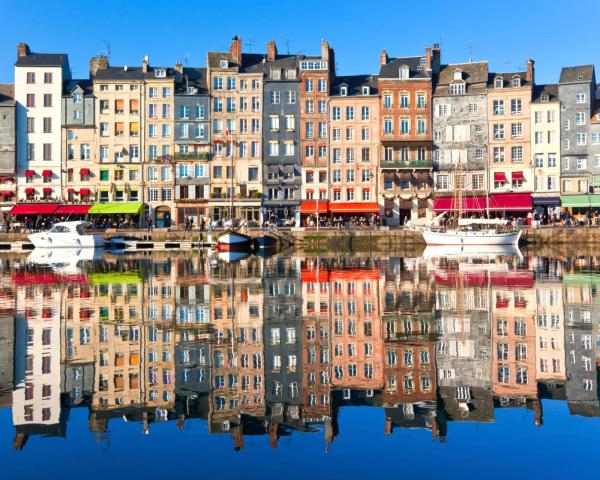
233	241
457	237
46	240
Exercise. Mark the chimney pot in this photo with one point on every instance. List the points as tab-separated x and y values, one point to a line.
179	67
22	50
236	49
428	59
271	50
530	74
324	50
145	64
383	57
98	62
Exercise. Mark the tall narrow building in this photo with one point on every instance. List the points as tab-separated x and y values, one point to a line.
8	150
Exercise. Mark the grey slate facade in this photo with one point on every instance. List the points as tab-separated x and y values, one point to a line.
7	345
8	126
577	95
463	131
281	173
78	104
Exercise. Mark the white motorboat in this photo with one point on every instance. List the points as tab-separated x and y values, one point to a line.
67	235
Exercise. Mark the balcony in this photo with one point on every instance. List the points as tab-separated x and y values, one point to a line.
407	164
192	156
161	159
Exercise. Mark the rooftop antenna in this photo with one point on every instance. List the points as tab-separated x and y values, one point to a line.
186	58
107	48
287	46
470	52
249	44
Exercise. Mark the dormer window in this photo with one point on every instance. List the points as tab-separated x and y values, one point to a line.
498	82
343	91
516	81
579	77
223	63
366	91
192	90
457	88
458	74
77	98
160	73
421	65
404	71
544	97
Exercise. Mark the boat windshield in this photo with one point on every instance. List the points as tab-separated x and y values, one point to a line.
60	229
80	230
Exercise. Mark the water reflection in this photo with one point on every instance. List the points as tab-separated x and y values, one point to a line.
272	346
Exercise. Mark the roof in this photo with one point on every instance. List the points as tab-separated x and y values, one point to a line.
551	90
281	62
475	75
507	78
392	68
42	60
85	85
126	73
7	94
248	60
355	84
193	77
580	73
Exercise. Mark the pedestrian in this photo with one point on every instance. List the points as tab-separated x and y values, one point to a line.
149	223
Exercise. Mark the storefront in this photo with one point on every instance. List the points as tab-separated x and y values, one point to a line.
117	215
312	211
357	210
548	205
581	206
515	205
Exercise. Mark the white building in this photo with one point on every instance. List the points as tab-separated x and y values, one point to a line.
38	91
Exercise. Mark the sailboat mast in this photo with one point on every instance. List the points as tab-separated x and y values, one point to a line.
232	185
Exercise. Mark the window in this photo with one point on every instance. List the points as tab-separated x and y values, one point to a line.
443	110
336	113
404	126
498	129
387	126
539	160
516	106
581	139
473	108
387	100
364	113
349	113
404	101
580	98
421	100
498	154
343	91
498	107
457	88
275	97
309	85
580	118
516	154
322	85
581	163
516	130
290	96
31	100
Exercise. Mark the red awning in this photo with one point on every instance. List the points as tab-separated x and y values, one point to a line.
34	209
354	207
511	202
72	209
69	170
84	191
84	171
7	179
502	302
47	189
315	275
310	206
29	173
30	190
46	173
46	278
470	204
70	190
7	193
517	176
499	177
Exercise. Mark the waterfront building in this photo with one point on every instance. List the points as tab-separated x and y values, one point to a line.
577	95
354	147
237	105
8	150
545	149
460	133
511	173
192	144
317	74
79	135
282	180
405	87
39	79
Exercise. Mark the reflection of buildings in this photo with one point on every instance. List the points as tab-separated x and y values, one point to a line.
7	336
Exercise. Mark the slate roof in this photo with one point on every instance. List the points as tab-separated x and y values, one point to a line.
7	94
85	84
392	68
355	84
282	62
131	73
475	75
42	60
573	74
507	78
196	77
550	89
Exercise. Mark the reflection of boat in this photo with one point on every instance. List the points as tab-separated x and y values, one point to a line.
63	260
67	235
232	256
470	251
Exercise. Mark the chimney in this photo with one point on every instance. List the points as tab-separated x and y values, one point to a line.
530	75
436	58
271	50
428	59
98	62
324	49
383	57
179	67
145	64
236	49
22	50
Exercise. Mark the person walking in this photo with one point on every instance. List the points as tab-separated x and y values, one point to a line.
149	223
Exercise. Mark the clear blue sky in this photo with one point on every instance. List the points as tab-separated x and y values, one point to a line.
553	32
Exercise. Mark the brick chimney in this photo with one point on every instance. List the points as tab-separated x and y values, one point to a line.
22	50
145	64
179	67
98	62
530	74
236	49
428	59
271	50
324	49
383	58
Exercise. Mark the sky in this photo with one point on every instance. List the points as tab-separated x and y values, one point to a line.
554	33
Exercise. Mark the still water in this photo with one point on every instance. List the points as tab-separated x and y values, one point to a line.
292	366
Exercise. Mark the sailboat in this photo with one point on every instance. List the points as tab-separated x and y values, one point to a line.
467	231
232	240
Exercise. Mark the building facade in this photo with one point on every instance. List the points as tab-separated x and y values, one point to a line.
8	150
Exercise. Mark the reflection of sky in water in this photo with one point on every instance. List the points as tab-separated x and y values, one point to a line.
487	364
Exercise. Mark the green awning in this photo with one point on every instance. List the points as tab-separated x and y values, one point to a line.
575	201
102	278
116	208
581	279
594	201
596	181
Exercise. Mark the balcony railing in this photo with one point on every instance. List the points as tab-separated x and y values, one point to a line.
407	164
192	156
